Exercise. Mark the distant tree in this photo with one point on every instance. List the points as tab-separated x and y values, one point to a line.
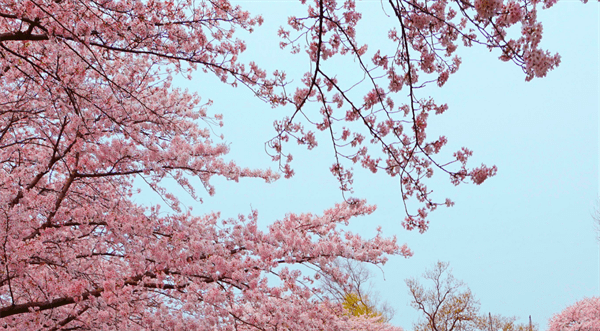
596	218
359	306
494	322
584	315
449	305
353	289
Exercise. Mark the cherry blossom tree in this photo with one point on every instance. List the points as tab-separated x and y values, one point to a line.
87	107
393	114
584	315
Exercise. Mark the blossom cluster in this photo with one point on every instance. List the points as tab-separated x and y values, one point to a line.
393	114
87	108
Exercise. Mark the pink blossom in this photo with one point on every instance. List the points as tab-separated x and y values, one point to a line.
584	315
89	108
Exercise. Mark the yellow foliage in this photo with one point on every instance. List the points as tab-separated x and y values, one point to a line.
358	306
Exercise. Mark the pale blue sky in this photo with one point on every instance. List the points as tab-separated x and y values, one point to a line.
523	241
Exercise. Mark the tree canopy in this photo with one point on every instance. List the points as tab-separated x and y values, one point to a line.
584	315
88	106
447	304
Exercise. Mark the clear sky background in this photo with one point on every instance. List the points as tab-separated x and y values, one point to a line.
524	241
